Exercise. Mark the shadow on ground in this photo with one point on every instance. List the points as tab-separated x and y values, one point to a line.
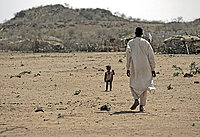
126	112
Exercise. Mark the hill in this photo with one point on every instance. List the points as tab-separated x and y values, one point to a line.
82	28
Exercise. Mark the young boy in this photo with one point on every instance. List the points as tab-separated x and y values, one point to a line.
109	77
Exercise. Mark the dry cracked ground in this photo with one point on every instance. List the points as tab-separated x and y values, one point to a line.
42	102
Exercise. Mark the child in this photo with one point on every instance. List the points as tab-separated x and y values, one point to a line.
109	77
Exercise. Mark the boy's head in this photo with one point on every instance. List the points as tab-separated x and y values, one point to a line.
108	67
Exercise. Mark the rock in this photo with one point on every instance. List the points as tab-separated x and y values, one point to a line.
158	72
105	107
60	115
196	82
100	69
188	75
77	92
39	109
61	108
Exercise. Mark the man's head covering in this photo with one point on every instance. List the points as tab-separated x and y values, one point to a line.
139	31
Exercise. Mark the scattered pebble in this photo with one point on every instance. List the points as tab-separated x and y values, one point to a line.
39	109
157	72
193	124
100	69
17	96
188	75
105	107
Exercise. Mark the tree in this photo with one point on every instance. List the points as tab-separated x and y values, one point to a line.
130	18
179	19
123	16
117	14
67	5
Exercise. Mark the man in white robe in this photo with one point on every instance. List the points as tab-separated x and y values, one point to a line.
140	68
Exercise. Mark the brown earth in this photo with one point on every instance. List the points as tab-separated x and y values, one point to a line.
168	113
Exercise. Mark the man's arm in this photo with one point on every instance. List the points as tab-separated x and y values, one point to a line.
151	59
128	60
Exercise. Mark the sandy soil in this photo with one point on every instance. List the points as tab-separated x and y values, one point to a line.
168	113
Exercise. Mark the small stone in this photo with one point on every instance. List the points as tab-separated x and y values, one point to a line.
100	69
193	124
105	107
196	82
39	109
188	75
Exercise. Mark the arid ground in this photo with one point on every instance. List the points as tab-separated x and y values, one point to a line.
43	104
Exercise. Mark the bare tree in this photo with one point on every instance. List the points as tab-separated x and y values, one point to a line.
66	5
179	19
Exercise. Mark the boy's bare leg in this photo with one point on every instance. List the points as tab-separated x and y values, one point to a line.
110	86
106	86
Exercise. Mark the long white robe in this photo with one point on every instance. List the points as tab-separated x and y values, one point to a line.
141	63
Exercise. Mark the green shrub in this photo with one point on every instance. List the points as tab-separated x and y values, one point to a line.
120	60
169	87
176	74
77	92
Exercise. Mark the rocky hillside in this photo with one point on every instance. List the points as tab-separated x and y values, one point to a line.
78	29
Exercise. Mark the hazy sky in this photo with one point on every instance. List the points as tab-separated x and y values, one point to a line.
164	10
